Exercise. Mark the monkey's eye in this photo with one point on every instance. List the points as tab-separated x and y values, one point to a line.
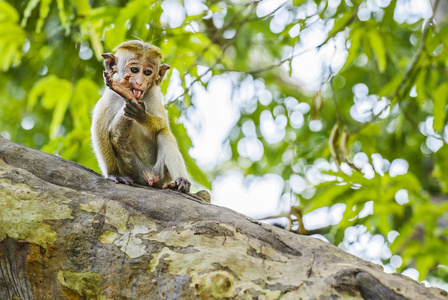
134	70
147	72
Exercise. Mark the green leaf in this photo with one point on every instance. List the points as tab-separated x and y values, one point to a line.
341	22
443	32
63	16
421	86
439	105
187	99
85	95
40	89
55	94
423	264
388	89
376	42
12	37
10	53
30	6
431	43
133	9
441	167
8	13
383	224
298	2
95	40
83	7
43	13
433	80
63	93
354	47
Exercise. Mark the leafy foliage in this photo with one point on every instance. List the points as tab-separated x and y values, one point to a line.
373	131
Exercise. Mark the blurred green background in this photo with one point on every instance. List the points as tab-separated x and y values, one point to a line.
345	102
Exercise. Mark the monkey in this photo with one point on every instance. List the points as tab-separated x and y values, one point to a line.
130	131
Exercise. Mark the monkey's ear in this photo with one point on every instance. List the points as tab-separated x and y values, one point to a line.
110	63
162	71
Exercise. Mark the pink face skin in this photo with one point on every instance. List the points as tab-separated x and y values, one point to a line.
143	76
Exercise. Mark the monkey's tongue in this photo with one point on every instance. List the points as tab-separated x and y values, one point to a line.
137	93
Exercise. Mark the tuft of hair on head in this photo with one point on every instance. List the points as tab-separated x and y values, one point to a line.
140	48
139	39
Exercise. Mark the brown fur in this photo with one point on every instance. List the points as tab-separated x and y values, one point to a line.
131	136
140	48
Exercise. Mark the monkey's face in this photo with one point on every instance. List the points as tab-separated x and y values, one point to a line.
143	75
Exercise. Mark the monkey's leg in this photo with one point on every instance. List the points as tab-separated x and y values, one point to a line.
122	150
181	184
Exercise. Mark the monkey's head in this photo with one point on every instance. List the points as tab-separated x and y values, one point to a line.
141	60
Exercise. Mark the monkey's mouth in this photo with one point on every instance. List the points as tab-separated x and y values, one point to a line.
137	93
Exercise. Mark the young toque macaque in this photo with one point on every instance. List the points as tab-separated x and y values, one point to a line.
131	136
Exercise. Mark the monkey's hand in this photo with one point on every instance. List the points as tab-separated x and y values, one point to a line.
151	178
136	110
122	87
180	184
122	179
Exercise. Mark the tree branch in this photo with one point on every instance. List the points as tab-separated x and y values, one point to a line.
66	232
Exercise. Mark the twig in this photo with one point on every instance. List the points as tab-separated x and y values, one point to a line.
407	74
336	107
226	46
270	14
274	66
261	70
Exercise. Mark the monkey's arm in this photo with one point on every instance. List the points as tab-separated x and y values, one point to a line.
134	109
169	158
103	147
137	110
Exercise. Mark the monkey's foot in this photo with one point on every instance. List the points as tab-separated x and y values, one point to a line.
151	178
180	184
121	179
